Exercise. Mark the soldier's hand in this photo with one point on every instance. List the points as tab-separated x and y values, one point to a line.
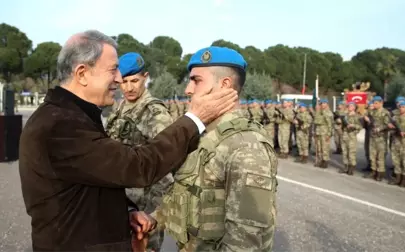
391	126
350	125
295	121
209	106
376	130
141	223
402	134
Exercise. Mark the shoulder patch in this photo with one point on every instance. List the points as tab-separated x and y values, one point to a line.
156	108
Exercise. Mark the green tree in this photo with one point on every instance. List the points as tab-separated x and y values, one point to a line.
396	87
14	47
168	45
41	64
257	86
164	86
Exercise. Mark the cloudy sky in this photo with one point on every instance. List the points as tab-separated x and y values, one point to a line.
341	26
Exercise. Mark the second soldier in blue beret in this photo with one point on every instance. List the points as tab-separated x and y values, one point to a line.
137	119
208	201
341	111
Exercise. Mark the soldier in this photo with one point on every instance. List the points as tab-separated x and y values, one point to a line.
378	120
225	191
398	144
341	111
257	112
370	107
271	115
351	126
303	122
140	117
323	132
392	137
286	116
173	109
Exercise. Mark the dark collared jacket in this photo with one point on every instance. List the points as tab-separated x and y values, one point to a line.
74	176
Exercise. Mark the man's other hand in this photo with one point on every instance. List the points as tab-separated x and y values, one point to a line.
209	106
141	223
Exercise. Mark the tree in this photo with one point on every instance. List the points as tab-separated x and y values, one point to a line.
164	86
396	87
168	45
257	86
41	64
14	47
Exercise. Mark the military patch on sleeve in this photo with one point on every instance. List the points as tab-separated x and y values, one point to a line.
156	110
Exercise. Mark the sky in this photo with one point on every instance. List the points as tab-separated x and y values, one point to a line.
341	26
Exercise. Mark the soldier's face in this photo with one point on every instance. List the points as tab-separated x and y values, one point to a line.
133	86
351	107
203	80
324	105
402	109
377	105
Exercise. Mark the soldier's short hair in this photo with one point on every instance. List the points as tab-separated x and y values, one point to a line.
238	75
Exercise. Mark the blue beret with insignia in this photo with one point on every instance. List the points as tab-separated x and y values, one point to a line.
130	64
402	103
217	56
323	101
377	99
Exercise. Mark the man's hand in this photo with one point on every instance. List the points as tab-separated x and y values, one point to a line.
141	223
209	106
139	245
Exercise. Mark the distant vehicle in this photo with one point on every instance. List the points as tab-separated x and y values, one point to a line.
298	98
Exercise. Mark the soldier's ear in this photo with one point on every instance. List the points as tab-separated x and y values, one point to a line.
226	82
146	75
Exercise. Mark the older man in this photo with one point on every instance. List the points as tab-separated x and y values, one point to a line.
73	175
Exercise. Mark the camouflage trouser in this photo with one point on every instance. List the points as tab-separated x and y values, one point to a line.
323	147
284	137
338	137
349	148
155	241
270	131
378	147
398	155
302	142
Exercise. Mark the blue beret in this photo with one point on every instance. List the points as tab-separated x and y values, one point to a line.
303	105
352	103
402	103
130	64
370	103
342	103
217	56
323	101
399	98
287	100
268	101
377	98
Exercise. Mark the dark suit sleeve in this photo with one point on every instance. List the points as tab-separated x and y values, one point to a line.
89	157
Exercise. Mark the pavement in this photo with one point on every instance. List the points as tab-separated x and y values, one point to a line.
318	210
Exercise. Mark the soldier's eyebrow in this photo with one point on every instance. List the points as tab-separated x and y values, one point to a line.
194	77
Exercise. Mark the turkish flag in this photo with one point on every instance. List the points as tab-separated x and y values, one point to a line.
357	97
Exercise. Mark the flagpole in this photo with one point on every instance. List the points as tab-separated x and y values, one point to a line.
317	87
305	72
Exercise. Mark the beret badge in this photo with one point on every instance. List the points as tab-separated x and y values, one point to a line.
206	57
139	62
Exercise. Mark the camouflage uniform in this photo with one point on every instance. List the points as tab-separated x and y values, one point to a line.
270	127
173	109
323	132
284	130
349	142
302	130
223	198
338	131
133	124
398	150
378	142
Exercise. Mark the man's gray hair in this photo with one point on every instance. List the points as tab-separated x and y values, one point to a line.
83	48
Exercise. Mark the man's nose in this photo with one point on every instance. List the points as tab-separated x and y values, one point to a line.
189	90
118	77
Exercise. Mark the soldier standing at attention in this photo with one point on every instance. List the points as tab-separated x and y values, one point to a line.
351	126
257	112
398	145
392	137
140	117
271	113
370	107
173	109
378	120
323	121
341	111
223	198
286	117
303	122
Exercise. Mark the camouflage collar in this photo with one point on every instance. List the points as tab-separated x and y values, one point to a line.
224	118
139	103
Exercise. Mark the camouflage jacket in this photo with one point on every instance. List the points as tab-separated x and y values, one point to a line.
257	114
323	121
304	121
230	191
286	116
380	118
354	120
134	124
338	122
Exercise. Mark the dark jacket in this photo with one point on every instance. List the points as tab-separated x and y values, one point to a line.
73	175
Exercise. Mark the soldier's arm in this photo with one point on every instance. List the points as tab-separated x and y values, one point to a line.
387	120
289	115
249	205
156	119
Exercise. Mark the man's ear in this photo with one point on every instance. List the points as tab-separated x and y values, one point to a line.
226	82
80	74
146	75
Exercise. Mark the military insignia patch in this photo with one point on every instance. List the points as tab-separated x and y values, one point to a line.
206	57
139	62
